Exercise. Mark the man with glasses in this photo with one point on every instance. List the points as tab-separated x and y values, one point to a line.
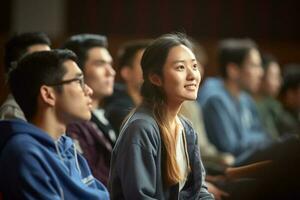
37	160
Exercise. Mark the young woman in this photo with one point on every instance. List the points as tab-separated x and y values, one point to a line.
156	155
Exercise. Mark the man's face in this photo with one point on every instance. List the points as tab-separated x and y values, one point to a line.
135	75
73	103
38	47
99	73
251	72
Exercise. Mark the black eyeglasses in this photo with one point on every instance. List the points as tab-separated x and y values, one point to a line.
80	80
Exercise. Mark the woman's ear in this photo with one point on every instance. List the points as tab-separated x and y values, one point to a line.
48	95
155	79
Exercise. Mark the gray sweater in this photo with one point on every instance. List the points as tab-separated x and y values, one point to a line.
136	165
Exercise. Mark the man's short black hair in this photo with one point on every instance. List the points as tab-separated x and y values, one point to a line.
18	45
128	50
267	59
33	71
291	78
82	43
233	51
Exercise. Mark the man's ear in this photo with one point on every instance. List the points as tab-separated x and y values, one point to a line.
155	79
125	73
48	95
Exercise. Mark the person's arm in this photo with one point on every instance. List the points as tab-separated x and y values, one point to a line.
221	128
28	177
136	162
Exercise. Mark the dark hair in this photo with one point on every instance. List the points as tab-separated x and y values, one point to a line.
128	50
18	45
153	61
267	59
33	71
82	43
233	51
291	78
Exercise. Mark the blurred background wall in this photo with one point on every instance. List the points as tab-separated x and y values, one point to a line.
274	25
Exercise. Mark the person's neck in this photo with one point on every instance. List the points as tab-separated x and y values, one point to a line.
96	103
135	94
50	125
232	87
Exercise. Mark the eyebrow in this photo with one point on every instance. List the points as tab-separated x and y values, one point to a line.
102	61
179	61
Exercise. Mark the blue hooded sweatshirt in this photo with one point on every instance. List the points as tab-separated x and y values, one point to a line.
34	166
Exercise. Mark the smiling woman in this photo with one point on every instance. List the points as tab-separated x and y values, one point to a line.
156	155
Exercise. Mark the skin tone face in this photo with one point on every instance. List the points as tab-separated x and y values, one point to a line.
135	74
99	73
181	75
251	72
272	80
74	102
38	47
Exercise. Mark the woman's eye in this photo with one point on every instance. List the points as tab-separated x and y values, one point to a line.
180	67
195	67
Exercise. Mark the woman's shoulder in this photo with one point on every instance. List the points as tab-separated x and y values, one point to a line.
142	130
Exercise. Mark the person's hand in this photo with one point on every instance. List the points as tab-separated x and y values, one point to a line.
218	193
227	159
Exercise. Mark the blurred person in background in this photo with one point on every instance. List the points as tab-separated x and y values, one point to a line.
96	137
18	46
230	115
269	108
127	94
290	99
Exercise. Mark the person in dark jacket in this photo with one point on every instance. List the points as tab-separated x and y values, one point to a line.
37	160
156	155
127	91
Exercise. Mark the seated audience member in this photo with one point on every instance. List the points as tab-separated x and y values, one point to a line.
269	108
230	115
94	138
15	48
290	99
126	93
37	160
157	155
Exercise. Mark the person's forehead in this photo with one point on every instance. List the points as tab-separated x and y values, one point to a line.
72	69
38	47
180	52
99	53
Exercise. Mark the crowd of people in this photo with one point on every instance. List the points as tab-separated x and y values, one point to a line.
76	126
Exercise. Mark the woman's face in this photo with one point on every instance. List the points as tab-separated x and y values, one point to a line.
181	75
272	80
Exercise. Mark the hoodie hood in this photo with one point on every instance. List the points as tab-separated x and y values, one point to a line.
10	128
42	159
